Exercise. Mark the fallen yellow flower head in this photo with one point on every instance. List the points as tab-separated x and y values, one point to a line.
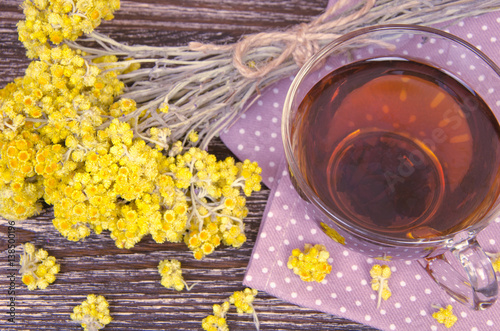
311	264
38	269
380	275
242	300
93	313
445	316
171	275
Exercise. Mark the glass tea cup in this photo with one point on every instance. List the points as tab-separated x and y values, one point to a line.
390	138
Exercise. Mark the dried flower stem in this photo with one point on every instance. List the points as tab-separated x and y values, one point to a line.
381	281
208	86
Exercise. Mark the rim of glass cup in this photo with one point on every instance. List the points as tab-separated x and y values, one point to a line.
285	128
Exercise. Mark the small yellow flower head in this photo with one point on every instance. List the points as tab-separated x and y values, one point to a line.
163	108
243	300
203	242
171	275
233	235
93	313
445	316
249	172
217	321
29	248
193	136
221	310
380	275
38	269
311	264
122	107
214	323
161	137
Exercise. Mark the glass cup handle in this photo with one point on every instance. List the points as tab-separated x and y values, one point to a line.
477	287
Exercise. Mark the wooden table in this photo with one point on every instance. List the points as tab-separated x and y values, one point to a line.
129	278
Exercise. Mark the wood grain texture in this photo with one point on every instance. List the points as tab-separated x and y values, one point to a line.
129	278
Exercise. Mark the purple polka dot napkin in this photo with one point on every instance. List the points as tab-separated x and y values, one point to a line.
346	291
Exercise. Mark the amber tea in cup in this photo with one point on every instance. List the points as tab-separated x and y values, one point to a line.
390	137
399	147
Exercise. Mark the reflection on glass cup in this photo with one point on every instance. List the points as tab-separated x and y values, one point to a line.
389	136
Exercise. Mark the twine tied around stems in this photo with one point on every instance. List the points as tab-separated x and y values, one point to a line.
300	42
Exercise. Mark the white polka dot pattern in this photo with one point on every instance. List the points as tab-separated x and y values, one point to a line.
346	291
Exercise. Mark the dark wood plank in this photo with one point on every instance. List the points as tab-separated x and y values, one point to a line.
128	278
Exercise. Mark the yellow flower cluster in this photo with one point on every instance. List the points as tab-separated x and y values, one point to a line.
107	180
217	321
51	110
445	316
380	275
93	313
65	138
311	264
242	300
57	20
171	275
61	94
38	269
216	208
